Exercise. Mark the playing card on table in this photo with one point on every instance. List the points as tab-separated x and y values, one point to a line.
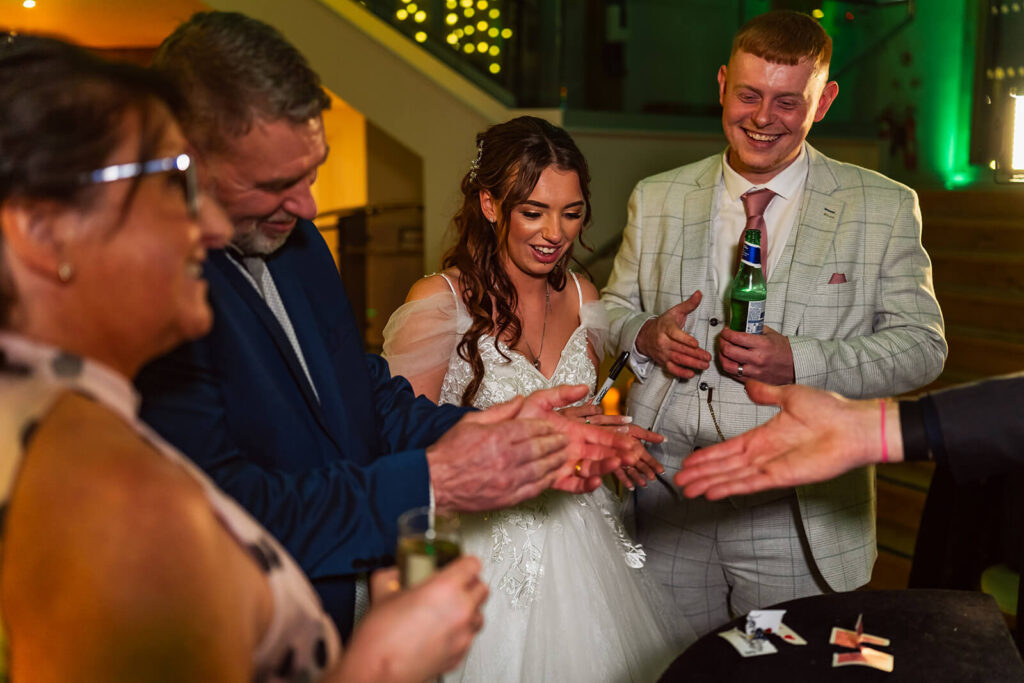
766	620
789	635
748	647
882	661
846	638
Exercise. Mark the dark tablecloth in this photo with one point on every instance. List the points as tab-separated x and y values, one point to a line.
937	636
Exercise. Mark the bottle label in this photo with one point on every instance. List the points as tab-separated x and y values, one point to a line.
751	255
755	317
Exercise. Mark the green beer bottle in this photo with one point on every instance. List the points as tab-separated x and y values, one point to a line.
748	291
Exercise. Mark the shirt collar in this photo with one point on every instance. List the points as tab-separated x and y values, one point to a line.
785	184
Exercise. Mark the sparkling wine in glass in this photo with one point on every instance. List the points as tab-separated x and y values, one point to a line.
428	539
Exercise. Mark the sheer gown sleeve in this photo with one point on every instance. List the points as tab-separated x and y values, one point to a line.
594	318
419	340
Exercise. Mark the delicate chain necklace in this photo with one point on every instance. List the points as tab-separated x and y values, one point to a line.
544	327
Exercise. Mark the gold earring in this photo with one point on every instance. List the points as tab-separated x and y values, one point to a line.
65	272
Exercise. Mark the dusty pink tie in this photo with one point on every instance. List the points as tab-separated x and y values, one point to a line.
755	202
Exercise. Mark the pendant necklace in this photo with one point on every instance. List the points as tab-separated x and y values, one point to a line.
543	329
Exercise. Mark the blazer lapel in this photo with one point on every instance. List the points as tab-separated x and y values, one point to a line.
697	231
225	265
329	409
815	231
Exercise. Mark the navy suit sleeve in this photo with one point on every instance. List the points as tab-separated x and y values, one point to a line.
327	471
328	474
334	516
406	420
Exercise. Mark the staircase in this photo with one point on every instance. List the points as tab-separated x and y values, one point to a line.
976	242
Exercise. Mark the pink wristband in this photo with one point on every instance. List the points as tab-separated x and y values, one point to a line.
885	446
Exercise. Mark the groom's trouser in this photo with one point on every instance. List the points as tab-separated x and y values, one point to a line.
720	559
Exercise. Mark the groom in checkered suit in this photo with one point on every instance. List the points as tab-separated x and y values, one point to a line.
850	309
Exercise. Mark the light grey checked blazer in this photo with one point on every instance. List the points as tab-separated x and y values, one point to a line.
879	333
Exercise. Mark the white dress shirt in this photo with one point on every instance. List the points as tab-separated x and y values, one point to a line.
728	220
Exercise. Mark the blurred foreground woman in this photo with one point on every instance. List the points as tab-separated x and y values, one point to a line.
119	559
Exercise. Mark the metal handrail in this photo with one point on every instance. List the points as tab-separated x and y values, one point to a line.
370	210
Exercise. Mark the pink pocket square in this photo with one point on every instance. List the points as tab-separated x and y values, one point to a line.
837	279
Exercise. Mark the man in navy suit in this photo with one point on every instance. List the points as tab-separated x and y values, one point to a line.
279	404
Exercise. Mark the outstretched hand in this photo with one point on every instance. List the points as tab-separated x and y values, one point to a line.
817	436
663	340
491	460
592	451
647	466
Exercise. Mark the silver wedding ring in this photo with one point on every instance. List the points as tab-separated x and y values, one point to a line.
739	370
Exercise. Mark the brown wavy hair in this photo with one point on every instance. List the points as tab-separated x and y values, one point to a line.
510	159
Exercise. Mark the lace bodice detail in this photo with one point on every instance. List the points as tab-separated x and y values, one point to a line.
516	376
508	373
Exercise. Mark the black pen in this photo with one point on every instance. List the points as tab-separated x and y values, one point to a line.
620	363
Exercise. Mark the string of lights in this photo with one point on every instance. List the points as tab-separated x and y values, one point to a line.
473	27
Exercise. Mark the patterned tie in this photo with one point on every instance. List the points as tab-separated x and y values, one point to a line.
755	202
257	268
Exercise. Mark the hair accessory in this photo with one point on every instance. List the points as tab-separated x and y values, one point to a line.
65	271
475	166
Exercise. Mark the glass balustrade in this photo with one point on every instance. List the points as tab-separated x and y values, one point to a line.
639	63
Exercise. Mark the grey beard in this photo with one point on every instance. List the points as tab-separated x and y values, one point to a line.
251	242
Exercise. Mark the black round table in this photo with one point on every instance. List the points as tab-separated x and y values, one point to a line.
936	636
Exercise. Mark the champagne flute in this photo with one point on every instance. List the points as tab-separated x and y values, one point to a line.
428	539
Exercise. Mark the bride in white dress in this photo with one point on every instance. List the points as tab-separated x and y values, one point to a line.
569	600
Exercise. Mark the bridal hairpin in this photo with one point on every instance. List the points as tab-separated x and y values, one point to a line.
475	166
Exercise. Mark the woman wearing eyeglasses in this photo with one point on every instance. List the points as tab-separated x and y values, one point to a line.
119	559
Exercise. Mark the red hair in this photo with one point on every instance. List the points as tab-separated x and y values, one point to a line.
785	37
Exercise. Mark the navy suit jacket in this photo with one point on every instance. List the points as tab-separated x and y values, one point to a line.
328	477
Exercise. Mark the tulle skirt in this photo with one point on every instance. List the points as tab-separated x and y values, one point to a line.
569	601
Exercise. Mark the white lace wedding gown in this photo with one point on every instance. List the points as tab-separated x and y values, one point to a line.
568	599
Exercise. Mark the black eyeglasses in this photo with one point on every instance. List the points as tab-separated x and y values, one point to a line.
181	166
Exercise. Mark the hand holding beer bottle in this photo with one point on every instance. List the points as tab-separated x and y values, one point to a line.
749	348
748	291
